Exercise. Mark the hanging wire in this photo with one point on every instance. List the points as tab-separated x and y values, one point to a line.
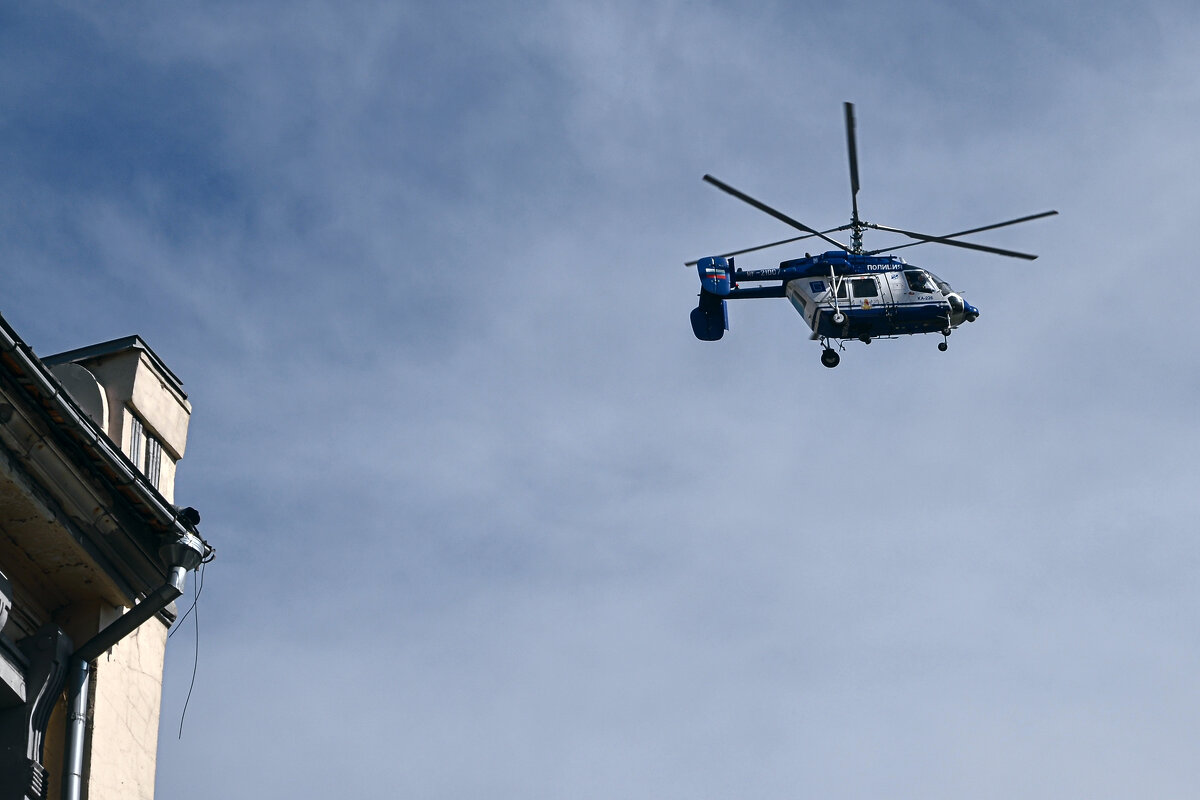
196	598
196	624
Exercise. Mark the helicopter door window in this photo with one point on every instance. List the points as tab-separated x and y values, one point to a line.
842	291
919	282
865	287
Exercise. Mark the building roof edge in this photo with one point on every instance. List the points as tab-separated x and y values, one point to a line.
113	347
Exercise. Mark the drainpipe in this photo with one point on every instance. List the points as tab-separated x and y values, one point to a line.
184	554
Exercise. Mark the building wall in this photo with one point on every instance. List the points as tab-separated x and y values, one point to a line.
127	699
83	539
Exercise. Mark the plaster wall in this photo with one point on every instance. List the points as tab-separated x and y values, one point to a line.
163	410
126	701
166	478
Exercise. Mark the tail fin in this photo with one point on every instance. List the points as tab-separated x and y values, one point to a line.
716	275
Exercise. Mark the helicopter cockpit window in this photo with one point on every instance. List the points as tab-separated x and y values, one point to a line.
941	284
919	282
865	287
842	290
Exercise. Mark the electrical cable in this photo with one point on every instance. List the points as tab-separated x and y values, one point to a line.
199	584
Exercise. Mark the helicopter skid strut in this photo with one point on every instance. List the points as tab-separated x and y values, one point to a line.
831	358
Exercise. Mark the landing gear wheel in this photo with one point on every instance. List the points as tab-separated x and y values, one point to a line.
943	346
830	358
838	318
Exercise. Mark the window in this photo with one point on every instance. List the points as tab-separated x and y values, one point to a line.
865	287
153	468
939	283
842	290
137	438
918	281
145	451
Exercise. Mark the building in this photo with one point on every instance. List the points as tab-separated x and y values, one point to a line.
93	552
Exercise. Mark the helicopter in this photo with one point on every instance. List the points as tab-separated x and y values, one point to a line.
848	293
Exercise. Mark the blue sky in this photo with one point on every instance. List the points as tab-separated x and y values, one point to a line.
490	522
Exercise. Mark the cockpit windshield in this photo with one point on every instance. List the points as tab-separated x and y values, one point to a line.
941	284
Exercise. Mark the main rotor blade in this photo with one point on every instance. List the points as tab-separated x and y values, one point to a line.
1000	224
968	232
779	215
772	244
852	149
945	240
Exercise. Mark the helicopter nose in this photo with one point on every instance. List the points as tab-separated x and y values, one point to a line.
970	312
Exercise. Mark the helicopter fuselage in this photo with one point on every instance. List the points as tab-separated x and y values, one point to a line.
840	295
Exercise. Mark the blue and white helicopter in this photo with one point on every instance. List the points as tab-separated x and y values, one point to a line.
847	293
